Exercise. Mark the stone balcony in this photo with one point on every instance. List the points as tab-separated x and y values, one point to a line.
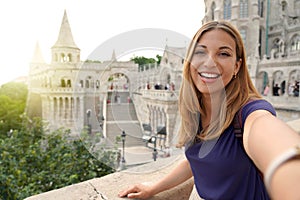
107	187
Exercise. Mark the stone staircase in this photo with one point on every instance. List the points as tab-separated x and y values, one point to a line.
121	116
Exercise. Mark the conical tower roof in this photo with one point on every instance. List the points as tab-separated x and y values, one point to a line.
65	37
37	56
113	56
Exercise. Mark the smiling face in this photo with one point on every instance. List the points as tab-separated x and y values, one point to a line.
214	61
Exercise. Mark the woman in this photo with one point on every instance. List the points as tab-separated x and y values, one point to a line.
215	89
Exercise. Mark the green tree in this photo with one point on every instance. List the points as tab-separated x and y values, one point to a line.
12	105
32	162
158	57
141	60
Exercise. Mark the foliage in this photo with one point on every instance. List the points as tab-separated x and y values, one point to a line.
15	91
141	60
12	105
158	57
92	61
33	161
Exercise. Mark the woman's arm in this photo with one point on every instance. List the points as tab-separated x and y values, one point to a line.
267	138
177	176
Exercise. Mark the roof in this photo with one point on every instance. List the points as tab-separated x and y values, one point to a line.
65	37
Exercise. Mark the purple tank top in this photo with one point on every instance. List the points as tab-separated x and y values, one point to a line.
221	167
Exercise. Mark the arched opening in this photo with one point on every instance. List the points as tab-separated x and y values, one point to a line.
69	84
118	88
69	58
62	83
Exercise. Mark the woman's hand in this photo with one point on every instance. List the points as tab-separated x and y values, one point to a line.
181	173
141	191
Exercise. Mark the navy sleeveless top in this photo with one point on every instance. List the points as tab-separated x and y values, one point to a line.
221	167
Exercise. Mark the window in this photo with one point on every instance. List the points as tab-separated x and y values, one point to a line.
261	8
69	57
87	83
227	9
62	58
295	43
62	83
69	83
243	8
260	41
213	8
283	6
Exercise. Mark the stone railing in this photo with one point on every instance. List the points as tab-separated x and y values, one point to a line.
160	95
107	187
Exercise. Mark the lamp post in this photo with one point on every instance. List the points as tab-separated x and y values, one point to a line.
123	136
101	121
153	141
88	115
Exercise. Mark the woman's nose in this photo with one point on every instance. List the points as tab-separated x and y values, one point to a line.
210	62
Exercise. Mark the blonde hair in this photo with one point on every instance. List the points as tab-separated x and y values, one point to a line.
238	91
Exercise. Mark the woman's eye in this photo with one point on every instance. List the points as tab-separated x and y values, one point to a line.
199	52
225	54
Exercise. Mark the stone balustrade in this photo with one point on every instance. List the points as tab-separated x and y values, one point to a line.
107	187
160	95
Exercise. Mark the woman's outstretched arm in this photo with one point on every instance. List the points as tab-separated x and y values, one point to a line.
268	140
177	176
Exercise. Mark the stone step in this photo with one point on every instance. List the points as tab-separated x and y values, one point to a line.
123	111
132	130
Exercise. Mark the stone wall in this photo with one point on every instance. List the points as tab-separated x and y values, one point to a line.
107	187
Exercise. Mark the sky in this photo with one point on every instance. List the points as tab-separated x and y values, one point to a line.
93	23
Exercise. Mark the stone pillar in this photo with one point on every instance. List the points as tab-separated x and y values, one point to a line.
271	85
151	116
52	113
81	112
72	108
64	110
170	125
286	78
59	103
75	109
67	108
56	109
155	114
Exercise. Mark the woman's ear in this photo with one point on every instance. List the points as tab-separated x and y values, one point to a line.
237	66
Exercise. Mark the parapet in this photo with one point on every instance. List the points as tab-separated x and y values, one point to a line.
108	187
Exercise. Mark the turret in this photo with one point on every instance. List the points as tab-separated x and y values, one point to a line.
37	62
65	50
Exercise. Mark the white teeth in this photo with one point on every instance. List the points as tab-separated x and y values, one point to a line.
209	75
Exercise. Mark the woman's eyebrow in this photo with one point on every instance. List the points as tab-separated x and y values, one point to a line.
226	47
221	48
201	46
